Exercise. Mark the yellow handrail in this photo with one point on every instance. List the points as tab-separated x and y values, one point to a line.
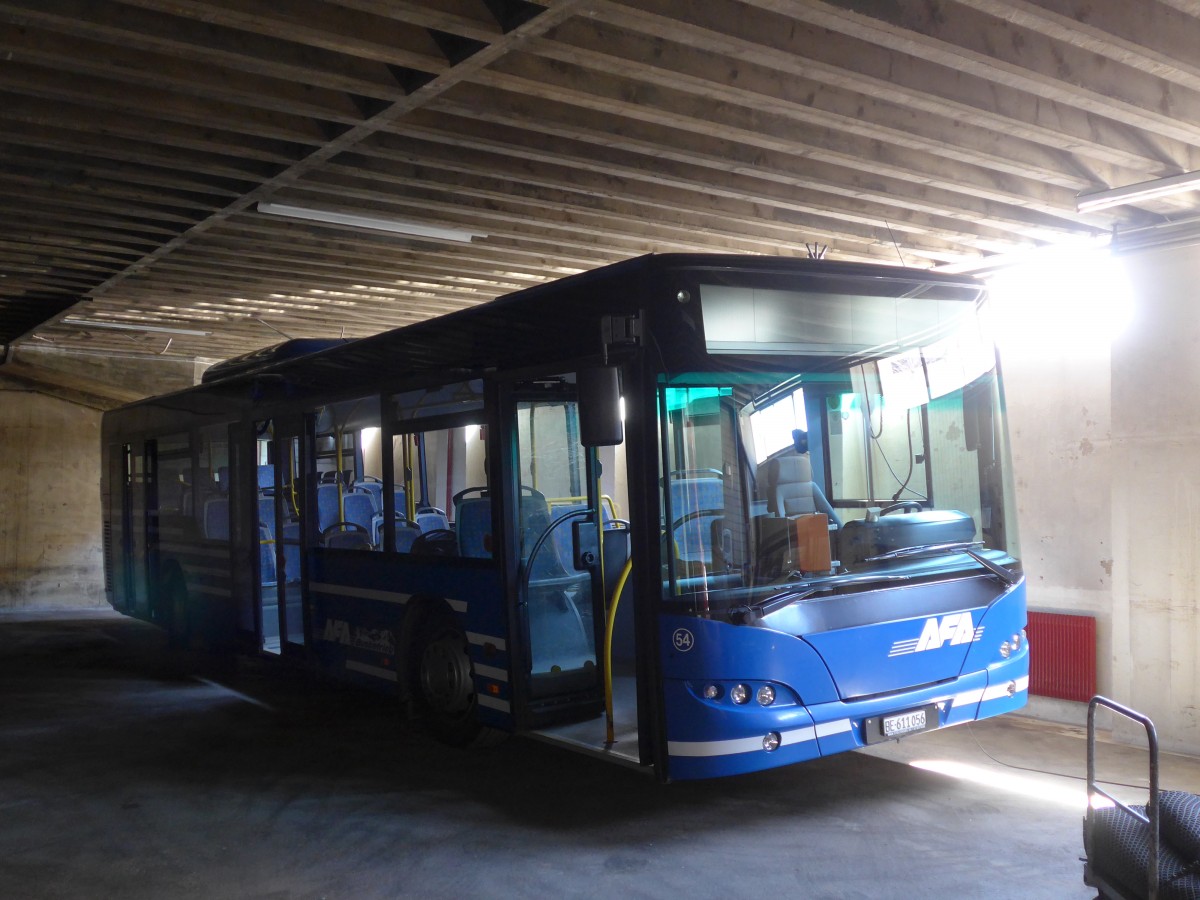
609	622
605	500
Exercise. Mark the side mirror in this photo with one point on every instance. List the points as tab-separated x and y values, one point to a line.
600	422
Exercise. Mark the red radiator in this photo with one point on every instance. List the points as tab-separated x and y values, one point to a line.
1062	656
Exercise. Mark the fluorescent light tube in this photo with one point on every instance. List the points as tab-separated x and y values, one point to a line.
396	226
1134	193
131	326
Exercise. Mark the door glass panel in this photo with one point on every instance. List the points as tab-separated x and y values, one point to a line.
291	530
558	597
280	507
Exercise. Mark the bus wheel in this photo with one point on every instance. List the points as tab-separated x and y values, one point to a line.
445	689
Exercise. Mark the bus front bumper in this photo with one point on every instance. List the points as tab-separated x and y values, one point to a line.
708	738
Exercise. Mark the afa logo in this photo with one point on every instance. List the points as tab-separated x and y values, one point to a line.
375	640
940	631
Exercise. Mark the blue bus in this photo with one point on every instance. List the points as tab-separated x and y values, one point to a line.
696	514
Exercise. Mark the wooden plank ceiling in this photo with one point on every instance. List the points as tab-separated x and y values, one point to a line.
137	139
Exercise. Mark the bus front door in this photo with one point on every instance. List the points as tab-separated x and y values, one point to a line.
560	604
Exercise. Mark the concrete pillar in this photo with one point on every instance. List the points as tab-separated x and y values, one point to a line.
1060	425
50	537
1156	498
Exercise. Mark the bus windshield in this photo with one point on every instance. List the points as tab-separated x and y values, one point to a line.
837	477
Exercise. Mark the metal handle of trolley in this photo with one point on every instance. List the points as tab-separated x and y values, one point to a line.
1151	816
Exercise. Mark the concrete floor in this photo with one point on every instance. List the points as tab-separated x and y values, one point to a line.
124	774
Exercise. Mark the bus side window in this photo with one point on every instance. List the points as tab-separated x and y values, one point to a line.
439	475
350	507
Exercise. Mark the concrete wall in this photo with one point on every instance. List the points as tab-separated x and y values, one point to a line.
1106	449
50	545
1060	421
51	548
1156	499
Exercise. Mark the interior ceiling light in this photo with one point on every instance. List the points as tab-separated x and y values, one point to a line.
1135	193
130	326
396	226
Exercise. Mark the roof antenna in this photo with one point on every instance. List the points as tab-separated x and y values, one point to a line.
895	243
816	251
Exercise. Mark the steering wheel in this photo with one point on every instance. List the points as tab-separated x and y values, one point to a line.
696	514
913	505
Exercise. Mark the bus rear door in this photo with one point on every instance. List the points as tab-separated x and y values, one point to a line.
284	505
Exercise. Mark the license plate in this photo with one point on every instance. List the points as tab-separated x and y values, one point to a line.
904	723
877	729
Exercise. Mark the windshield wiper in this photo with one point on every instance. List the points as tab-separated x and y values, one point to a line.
748	615
1005	574
922	549
970	548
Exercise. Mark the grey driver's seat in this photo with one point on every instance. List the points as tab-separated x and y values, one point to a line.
791	490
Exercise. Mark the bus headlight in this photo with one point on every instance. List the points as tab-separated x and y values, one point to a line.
712	692
740	694
1005	650
771	741
766	695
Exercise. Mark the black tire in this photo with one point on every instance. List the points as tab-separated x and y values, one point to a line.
443	685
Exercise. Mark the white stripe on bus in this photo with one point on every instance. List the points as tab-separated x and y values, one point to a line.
826	729
320	587
484	639
211	590
738	745
493	703
385	674
491	672
997	691
966	698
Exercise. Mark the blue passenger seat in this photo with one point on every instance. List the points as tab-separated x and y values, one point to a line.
327	505
266	555
291	551
473	522
266	511
374	489
216	518
359	508
430	518
695	504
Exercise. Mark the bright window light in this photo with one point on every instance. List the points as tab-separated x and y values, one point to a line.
1068	302
773	425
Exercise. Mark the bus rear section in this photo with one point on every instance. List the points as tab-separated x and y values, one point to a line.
840	561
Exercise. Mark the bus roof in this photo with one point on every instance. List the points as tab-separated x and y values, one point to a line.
558	320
